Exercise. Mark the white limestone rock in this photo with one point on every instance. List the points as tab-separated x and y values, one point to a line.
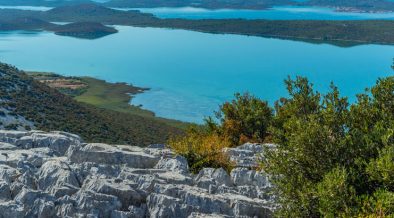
106	154
177	165
11	209
56	175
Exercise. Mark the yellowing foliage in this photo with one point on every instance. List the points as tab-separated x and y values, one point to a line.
202	150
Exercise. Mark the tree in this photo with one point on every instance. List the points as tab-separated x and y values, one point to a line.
331	158
244	119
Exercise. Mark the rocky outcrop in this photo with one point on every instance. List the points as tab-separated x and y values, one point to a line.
57	175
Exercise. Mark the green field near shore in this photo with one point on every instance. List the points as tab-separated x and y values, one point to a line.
102	94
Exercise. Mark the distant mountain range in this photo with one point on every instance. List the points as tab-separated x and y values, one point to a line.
340	5
211	4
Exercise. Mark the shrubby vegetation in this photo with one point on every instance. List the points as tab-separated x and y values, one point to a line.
245	119
332	158
202	148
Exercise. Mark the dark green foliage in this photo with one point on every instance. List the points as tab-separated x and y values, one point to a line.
244	119
332	159
51	110
11	127
87	30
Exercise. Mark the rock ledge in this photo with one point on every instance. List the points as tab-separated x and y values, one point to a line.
57	175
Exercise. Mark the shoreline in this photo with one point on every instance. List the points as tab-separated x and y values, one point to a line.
330	32
102	94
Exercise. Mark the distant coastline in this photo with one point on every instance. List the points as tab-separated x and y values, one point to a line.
90	20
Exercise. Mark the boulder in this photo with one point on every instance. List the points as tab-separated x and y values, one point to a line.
178	165
122	189
11	209
209	176
56	177
245	177
106	154
92	203
5	191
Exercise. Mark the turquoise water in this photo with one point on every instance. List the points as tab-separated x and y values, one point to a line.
32	8
276	13
191	73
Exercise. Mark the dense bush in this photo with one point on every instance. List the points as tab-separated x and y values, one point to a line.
333	159
202	149
245	119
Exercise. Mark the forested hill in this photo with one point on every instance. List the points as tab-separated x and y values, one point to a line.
334	32
341	5
29	104
210	4
354	5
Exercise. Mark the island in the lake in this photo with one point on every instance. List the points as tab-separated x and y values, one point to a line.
89	30
344	33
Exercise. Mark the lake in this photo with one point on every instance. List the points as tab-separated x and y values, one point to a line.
191	73
275	13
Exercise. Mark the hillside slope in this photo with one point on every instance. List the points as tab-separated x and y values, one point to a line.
26	104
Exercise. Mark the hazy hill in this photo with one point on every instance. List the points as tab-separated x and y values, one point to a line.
341	5
363	5
349	5
211	4
26	103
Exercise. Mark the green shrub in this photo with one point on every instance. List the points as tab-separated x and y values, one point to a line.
378	205
333	159
202	149
244	119
336	196
381	169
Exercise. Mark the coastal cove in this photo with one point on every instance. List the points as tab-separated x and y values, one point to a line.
191	73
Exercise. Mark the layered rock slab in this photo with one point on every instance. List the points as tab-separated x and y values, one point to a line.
56	174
